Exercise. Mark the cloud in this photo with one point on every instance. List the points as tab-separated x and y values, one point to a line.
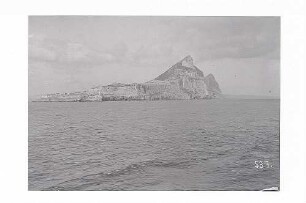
61	52
106	49
228	37
152	53
160	39
41	53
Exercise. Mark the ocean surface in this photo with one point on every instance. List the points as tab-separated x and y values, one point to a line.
154	145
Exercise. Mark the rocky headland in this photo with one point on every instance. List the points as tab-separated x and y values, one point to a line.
181	81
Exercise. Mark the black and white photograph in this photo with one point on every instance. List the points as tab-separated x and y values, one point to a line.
153	103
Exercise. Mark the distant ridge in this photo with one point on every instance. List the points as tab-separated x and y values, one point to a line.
183	80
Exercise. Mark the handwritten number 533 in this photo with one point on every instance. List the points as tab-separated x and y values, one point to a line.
262	164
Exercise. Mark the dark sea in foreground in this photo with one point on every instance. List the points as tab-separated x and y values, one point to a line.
154	145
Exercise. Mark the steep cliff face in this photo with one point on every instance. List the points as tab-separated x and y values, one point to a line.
181	81
212	85
183	67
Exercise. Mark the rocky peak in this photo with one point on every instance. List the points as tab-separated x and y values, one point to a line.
187	62
182	67
212	84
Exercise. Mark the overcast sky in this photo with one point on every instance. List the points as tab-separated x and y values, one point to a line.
76	53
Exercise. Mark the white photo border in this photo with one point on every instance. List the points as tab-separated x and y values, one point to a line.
14	101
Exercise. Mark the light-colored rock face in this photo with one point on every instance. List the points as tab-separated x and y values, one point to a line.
182	81
212	85
187	62
186	79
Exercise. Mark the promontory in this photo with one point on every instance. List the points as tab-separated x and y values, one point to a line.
182	81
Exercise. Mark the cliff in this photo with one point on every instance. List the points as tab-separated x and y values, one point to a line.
181	81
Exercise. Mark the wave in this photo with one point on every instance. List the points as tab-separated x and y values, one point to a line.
145	164
129	169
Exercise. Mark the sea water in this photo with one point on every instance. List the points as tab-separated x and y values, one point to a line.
220	144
